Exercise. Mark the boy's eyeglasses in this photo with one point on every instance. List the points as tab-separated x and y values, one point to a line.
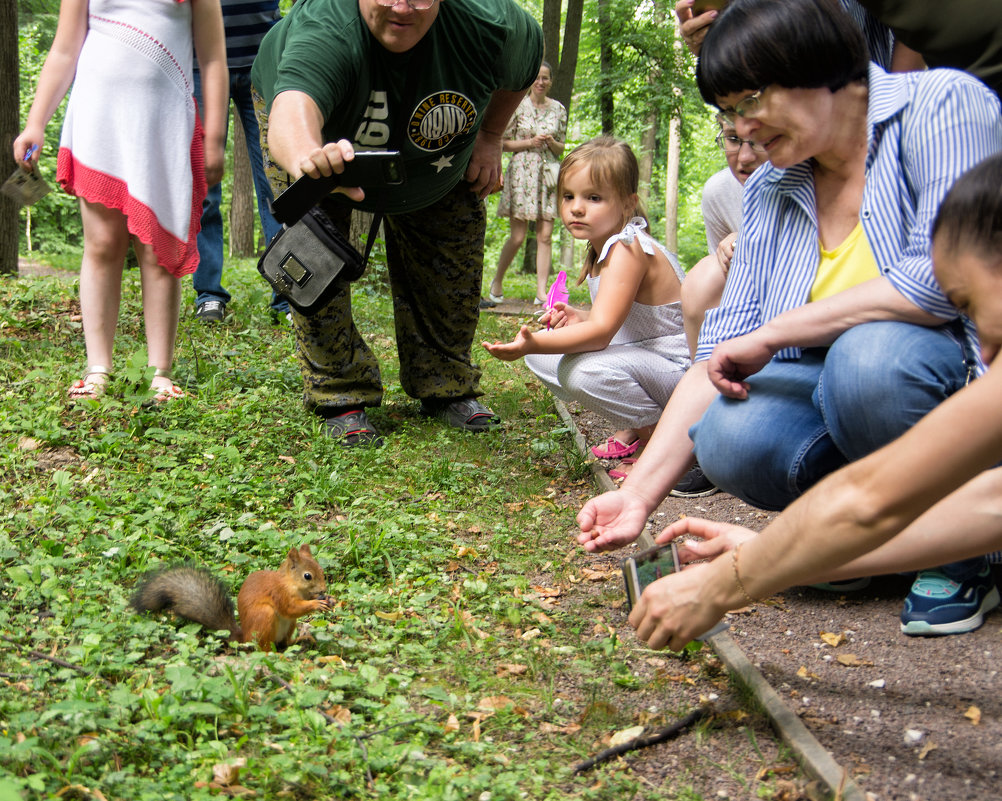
731	143
417	5
746	108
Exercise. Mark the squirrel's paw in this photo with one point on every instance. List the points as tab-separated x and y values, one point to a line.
325	603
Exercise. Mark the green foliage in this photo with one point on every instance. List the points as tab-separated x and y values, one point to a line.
431	546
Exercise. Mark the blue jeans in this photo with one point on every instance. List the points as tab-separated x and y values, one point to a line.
209	275
804	419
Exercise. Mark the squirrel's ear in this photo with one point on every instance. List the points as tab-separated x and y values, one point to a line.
304	550
293	556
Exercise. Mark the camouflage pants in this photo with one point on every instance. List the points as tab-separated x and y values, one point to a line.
435	259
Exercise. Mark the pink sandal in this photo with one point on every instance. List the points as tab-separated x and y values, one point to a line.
612	448
618	474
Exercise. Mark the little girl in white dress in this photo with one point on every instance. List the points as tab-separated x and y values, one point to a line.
622	358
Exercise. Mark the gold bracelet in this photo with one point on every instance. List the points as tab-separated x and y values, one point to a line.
737	575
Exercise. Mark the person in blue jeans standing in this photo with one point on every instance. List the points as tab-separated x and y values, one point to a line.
246	24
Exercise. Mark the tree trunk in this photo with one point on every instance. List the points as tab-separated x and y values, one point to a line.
672	165
241	196
671	183
529	251
648	147
9	108
606	105
563	73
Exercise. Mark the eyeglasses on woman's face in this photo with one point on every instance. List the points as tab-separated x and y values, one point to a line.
417	5
747	108
731	143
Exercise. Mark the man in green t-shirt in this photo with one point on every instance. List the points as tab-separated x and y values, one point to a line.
437	80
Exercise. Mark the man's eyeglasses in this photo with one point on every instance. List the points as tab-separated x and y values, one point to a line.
746	108
731	143
417	5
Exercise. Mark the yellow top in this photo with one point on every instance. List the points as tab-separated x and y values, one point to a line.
849	264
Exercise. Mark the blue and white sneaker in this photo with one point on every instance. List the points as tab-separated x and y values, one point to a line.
939	605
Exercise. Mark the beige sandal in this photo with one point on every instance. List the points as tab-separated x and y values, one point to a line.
173	392
85	389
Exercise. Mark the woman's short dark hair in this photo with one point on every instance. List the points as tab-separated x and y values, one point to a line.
797	44
970	216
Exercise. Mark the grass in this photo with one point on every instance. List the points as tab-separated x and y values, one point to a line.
445	665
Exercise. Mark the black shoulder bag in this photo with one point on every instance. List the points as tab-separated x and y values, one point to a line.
310	259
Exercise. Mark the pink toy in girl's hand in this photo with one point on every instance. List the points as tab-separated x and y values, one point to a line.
558	292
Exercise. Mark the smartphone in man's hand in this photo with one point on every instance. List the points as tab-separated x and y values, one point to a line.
647	567
367	168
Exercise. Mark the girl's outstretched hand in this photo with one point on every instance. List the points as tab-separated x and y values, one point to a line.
515	349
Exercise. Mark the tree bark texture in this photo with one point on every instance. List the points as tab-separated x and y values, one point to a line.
242	196
9	128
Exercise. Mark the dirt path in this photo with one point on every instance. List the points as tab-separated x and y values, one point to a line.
915	719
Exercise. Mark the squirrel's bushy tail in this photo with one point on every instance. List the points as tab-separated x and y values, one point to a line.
191	593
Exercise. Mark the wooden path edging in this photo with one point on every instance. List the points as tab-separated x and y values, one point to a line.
811	755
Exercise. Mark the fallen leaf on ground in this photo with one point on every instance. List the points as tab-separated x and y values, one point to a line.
929	746
492	703
834	640
389	615
626	735
341	714
511	669
531	634
552	728
547	592
804	673
466	551
973	714
851	660
595	575
452	724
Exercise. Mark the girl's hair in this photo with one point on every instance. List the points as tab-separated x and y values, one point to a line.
796	44
610	163
970	216
545	63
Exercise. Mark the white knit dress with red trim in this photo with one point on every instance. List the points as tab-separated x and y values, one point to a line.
131	139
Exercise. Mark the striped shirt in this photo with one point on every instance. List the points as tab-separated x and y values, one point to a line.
246	22
879	39
925	129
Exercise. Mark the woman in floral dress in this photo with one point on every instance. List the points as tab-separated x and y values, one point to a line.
536	137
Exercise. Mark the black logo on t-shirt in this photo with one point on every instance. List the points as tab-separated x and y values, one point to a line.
440	118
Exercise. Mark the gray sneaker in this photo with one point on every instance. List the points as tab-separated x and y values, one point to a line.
694	484
211	311
468	414
352	429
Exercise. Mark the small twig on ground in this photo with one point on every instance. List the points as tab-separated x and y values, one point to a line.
665	734
54	659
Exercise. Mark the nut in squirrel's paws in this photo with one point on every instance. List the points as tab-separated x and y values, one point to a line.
328	602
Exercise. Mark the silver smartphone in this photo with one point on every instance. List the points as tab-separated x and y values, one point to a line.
650	565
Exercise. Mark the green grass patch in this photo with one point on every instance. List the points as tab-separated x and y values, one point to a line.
431	545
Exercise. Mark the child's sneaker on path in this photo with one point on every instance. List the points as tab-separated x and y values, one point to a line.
938	605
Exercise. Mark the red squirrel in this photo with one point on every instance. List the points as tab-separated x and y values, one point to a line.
269	602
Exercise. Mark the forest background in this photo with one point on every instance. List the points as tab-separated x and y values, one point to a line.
619	69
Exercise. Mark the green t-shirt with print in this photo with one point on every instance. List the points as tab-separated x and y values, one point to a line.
428	102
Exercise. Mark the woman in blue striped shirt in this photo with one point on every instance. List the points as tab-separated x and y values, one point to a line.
832	337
